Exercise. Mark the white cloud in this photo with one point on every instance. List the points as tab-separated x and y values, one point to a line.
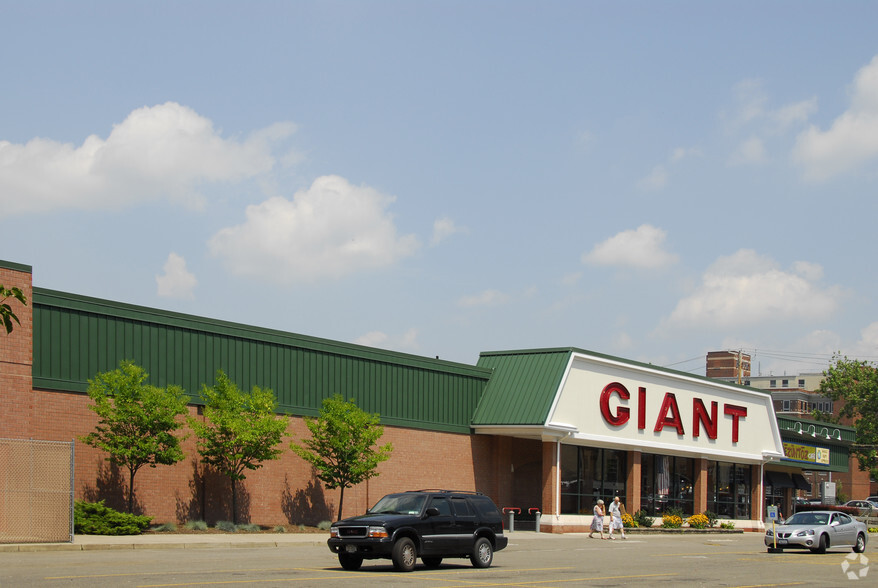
329	230
484	298
443	228
640	248
852	140
177	281
748	289
656	180
751	151
163	151
752	108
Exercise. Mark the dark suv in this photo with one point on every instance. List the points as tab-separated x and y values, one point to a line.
430	524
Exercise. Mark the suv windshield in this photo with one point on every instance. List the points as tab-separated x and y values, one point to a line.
410	504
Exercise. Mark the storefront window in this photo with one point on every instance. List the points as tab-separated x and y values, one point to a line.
728	490
589	473
666	482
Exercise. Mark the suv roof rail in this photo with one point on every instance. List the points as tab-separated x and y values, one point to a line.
447	491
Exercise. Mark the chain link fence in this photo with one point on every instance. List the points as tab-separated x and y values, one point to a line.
36	491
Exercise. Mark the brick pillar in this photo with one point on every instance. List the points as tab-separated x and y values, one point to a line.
16	356
503	461
632	482
756	513
700	490
549	486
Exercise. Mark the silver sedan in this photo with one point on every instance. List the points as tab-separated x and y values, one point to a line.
817	530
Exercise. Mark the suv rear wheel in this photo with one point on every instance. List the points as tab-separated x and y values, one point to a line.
404	555
483	553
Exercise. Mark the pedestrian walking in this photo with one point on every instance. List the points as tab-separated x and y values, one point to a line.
617	509
597	522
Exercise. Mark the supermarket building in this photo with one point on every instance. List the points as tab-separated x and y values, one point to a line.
541	429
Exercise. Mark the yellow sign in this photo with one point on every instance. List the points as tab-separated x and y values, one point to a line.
807	453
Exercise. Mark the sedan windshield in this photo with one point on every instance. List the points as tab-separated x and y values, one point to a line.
808	518
410	504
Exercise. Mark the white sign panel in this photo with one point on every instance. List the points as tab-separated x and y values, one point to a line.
615	404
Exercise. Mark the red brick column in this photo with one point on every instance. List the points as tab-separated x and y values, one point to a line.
756	513
16	357
632	482
549	479
700	490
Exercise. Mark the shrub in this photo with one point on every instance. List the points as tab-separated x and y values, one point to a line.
249	527
698	521
628	521
873	529
727	525
643	519
196	525
280	529
711	518
671	521
165	528
324	525
227	526
93	518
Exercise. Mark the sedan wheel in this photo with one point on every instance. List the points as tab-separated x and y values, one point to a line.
860	546
821	548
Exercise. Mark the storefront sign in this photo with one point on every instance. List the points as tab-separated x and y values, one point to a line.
807	453
669	414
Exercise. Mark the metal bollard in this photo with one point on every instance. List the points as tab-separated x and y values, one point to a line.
511	510
537	516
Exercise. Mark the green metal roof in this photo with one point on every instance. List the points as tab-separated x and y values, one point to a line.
522	387
75	337
524	383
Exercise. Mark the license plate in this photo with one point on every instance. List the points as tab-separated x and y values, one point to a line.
350	548
779	542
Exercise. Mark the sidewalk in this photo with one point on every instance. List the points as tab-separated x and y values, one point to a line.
172	541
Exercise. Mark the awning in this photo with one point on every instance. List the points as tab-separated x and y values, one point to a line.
779	480
801	483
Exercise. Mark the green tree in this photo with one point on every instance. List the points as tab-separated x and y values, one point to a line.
856	383
241	430
6	312
341	445
137	423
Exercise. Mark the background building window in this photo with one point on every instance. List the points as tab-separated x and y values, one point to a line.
589	473
786	406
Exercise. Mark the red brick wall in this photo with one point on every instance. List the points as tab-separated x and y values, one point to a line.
16	360
281	492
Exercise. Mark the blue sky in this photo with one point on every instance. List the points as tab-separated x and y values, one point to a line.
652	180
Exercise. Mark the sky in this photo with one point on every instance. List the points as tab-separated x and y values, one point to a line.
649	180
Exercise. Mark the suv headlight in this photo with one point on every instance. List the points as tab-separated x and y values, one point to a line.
333	532
377	532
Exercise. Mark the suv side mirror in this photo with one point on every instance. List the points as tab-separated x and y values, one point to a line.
432	511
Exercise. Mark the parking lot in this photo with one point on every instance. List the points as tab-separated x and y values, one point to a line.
530	560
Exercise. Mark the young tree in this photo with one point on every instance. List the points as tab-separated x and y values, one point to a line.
6	313
241	430
341	445
856	383
137	423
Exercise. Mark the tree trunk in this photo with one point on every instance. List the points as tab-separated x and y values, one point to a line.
340	503
234	502
131	472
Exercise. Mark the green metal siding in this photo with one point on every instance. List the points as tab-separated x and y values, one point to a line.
76	337
522	387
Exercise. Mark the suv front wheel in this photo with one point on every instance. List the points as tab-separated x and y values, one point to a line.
350	562
404	555
483	553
